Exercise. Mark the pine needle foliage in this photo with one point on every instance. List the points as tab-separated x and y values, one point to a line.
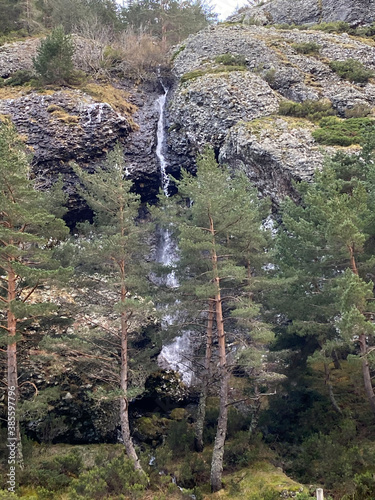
324	248
113	257
220	242
54	59
28	236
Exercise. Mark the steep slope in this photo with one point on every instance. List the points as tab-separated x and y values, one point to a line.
81	123
231	81
354	12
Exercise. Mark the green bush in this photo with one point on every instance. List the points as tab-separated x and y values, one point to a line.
365	30
54	59
193	471
118	477
240	452
331	459
306	47
20	77
312	110
332	27
180	438
55	474
351	70
231	59
364	486
270	76
334	131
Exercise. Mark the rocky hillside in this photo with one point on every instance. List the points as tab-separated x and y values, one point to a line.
231	81
81	123
231	84
355	12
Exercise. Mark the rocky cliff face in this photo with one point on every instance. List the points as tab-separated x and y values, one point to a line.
81	125
235	108
354	12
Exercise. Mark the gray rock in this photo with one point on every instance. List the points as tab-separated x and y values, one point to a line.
212	108
272	152
354	12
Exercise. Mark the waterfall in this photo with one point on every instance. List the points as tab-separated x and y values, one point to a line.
174	355
161	141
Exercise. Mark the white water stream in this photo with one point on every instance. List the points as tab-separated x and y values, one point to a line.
173	356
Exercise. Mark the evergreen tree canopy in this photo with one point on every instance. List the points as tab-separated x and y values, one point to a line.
28	235
323	255
54	59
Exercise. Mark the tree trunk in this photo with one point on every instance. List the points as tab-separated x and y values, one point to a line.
255	412
199	424
330	389
218	451
124	407
363	348
366	372
12	369
336	360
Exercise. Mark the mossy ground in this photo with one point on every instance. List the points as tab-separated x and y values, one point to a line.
115	97
246	483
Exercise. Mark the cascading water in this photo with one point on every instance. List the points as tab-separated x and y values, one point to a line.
174	355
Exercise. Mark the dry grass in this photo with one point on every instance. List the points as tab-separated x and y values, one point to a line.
136	55
141	55
116	98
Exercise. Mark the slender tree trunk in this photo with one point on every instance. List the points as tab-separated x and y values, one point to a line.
218	451
366	372
330	389
12	365
363	349
199	424
124	406
256	412
336	360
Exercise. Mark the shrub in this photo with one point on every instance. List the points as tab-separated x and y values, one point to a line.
20	77
209	71
180	437
177	52
231	59
55	474
364	486
142	57
334	131
333	27
270	76
240	452
193	471
306	47
351	70
312	110
365	30
358	111
54	59
118	477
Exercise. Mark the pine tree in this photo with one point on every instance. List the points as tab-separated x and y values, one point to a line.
28	235
54	59
115	251
322	255
213	238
